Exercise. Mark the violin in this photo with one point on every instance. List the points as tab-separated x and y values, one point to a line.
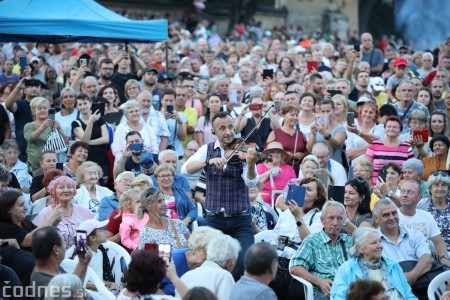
237	152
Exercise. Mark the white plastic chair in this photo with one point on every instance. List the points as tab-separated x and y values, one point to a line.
437	286
264	236
200	213
69	266
308	287
119	259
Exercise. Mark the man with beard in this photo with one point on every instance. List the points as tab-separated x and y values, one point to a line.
437	89
22	110
362	85
150	80
191	99
316	84
106	71
154	118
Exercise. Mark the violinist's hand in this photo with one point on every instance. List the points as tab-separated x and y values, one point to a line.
218	162
252	158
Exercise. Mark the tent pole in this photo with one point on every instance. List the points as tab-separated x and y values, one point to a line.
167	58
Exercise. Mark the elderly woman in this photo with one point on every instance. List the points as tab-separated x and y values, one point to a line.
440	146
62	190
368	263
37	132
79	152
43	202
90	128
357	205
293	226
363	168
16	166
390	146
417	120
160	229
178	204
90	192
308	167
438	204
274	174
141	182
413	169
294	141
73	288
389	188
363	132
133	114
132	89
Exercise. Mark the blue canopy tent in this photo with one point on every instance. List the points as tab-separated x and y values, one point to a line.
60	21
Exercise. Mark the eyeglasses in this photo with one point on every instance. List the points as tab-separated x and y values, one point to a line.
442	173
174	61
126	181
164	176
360	171
151	191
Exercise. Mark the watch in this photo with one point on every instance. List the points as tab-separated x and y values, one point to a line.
299	223
328	137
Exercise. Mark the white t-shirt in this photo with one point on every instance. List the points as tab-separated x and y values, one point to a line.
422	221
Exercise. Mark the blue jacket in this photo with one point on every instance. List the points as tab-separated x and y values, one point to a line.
185	206
106	207
350	271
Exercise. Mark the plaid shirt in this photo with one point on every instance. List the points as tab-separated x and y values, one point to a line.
320	256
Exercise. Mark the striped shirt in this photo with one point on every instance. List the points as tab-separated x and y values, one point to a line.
320	257
382	154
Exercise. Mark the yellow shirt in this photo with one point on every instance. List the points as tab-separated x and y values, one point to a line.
381	99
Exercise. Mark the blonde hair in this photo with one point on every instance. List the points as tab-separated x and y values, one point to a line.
81	171
343	100
148	197
141	179
201	236
164	167
35	102
125	201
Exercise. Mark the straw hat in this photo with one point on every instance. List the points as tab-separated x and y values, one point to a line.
275	146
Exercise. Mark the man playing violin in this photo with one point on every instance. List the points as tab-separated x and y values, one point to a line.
227	202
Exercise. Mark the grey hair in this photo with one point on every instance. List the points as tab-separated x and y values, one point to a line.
130	104
347	82
70	90
166	152
359	237
119	177
415	164
310	157
332	203
64	287
222	248
429	55
381	202
201	237
11	143
433	179
408	82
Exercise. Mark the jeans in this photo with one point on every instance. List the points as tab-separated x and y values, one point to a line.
239	228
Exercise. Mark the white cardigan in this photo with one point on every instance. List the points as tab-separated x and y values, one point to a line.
83	198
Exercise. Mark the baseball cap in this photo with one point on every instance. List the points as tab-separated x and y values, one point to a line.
400	61
150	69
91	224
163	76
32	82
147	160
362	100
34	59
377	84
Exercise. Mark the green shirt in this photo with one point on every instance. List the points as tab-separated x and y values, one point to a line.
34	147
320	256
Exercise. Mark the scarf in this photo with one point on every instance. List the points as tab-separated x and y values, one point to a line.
366	265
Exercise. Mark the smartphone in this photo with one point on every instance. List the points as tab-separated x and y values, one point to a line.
322	121
136	147
357	47
233	96
255	107
170	109
100	106
382	174
267	73
277	106
200	87
297	193
334	92
336	193
350	118
82	243
23	62
51	113
83	62
150	246
421	133
312	66
60	166
164	251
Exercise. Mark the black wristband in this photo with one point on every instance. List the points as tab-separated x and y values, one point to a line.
328	137
207	162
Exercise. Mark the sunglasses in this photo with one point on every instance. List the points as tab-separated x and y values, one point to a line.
151	191
442	173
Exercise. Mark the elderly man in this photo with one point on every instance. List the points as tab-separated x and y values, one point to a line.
215	273
371	55
421	220
400	243
90	87
261	262
321	254
337	171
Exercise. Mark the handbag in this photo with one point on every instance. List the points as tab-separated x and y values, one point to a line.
174	230
423	281
55	142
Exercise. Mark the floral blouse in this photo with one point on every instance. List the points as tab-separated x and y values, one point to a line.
164	236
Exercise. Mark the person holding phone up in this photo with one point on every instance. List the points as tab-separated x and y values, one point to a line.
36	133
176	121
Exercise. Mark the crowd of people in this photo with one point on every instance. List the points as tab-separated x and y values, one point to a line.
197	144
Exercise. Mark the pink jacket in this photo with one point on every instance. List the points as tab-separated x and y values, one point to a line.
130	229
